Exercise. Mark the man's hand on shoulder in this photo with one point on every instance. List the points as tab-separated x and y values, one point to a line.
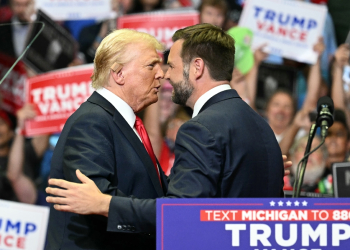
80	198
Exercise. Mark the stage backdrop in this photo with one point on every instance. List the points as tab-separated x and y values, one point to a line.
289	28
253	224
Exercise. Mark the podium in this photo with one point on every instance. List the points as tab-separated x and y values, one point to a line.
253	224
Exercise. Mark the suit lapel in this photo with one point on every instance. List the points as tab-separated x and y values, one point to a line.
224	95
131	137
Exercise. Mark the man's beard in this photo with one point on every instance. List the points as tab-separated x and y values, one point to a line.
182	89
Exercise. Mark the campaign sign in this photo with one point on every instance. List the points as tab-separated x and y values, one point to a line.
56	95
253	224
60	10
289	28
12	88
162	25
22	226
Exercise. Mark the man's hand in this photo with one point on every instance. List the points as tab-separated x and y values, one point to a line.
319	47
342	55
287	164
260	55
80	198
25	113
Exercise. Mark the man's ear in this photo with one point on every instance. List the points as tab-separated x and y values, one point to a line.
117	74
199	66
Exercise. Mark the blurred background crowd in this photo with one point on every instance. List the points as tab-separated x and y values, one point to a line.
288	108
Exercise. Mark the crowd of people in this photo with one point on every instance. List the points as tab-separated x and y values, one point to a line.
25	162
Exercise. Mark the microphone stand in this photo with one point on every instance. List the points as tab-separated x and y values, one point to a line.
300	174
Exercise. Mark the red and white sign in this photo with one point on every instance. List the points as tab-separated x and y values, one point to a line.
22	226
56	95
289	28
12	88
161	25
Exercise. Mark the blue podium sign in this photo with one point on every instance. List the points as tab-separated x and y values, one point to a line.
253	224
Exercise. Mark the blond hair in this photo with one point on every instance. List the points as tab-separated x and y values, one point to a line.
114	49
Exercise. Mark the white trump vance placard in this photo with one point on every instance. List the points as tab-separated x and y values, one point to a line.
289	28
22	226
60	10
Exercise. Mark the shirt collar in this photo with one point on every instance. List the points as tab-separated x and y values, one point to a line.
206	96
123	108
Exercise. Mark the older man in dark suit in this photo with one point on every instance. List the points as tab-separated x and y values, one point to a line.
108	143
225	150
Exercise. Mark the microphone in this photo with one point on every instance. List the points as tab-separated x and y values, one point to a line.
325	109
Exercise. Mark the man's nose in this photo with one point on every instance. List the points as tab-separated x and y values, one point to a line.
160	73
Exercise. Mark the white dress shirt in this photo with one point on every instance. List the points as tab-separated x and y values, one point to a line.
123	108
19	35
206	96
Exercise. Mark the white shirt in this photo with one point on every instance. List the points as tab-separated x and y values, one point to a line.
19	35
206	96
123	108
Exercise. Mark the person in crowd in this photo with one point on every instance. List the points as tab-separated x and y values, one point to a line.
108	142
166	106
172	126
24	188
7	127
233	14
211	150
20	159
315	168
341	79
13	37
337	140
286	123
213	12
163	134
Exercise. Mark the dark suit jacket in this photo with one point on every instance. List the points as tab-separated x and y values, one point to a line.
6	41
97	140
227	150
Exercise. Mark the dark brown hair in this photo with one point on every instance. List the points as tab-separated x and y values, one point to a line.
212	44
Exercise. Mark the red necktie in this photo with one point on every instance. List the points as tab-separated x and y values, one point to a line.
140	128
